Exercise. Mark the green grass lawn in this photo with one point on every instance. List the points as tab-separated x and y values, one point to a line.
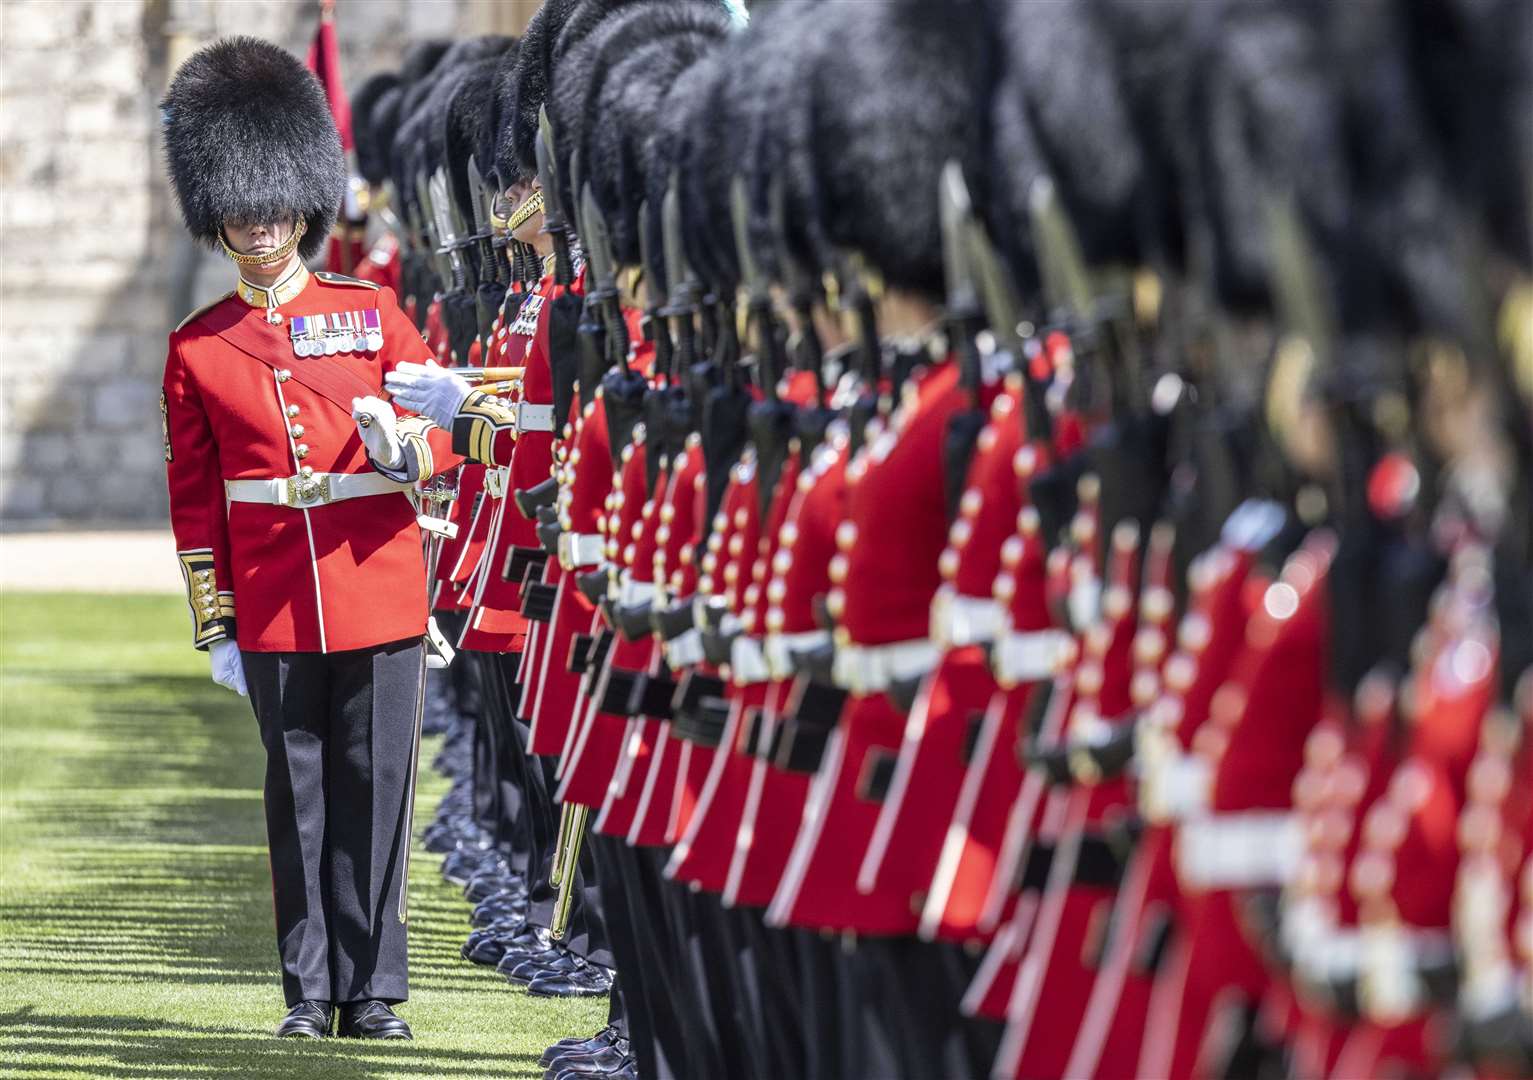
136	933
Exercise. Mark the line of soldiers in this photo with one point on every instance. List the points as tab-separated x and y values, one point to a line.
998	537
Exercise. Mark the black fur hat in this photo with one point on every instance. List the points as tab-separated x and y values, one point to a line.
508	167
495	114
619	147
248	134
468	112
421	59
576	104
668	145
372	155
534	74
382	122
879	142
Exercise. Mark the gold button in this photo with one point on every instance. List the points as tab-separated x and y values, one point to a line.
292	410
301	451
283	375
296	431
307	470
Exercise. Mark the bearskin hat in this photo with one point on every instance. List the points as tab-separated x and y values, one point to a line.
534	74
382	120
248	134
372	155
576	103
496	112
421	59
617	152
880	143
467	113
668	144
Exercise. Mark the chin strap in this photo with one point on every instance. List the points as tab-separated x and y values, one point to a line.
282	251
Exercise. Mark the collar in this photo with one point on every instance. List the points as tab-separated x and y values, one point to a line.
280	293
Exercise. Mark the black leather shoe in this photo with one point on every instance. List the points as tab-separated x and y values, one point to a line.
533	941
492	882
628	1070
599	1062
496	910
587	981
487	947
307	1020
552	962
371	1020
577	1045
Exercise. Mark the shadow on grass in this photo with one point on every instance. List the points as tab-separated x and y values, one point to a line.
136	856
122	1046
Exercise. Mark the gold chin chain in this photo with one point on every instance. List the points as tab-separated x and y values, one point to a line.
282	251
522	214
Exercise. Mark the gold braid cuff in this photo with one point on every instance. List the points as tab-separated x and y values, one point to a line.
522	214
282	251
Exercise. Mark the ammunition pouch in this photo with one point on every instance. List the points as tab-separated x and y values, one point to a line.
548	529
1099	864
632	620
524	565
1081	762
593	585
671	622
530	500
538	601
699	709
813	712
623	394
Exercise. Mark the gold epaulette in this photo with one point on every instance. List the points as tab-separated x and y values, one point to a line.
209	306
341	279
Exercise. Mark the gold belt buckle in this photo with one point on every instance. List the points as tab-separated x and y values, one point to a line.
305	491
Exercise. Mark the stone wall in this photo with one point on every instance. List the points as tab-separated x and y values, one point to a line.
95	268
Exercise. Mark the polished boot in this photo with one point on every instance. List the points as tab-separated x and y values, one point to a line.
371	1020
552	962
307	1020
589	980
578	1046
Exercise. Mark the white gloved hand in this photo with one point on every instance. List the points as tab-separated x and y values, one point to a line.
228	670
432	391
378	432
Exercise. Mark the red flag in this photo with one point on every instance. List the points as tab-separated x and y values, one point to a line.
325	61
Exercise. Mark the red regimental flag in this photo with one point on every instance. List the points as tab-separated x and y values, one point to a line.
325	61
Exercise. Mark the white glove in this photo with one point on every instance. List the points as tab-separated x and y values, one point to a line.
432	391
375	423
228	671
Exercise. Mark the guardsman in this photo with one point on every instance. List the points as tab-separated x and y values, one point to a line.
299	545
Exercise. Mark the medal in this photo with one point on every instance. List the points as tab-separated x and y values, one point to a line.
303	332
372	328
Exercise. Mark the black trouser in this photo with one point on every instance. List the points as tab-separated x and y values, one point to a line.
338	730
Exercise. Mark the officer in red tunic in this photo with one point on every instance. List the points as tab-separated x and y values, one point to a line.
297	541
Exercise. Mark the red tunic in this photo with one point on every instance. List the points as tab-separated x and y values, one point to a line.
341	575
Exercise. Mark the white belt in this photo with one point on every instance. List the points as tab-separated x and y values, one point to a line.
1028	656
779	650
531	417
684	650
959	620
870	669
1239	850
579	549
1173	786
630	592
316	489
747	663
